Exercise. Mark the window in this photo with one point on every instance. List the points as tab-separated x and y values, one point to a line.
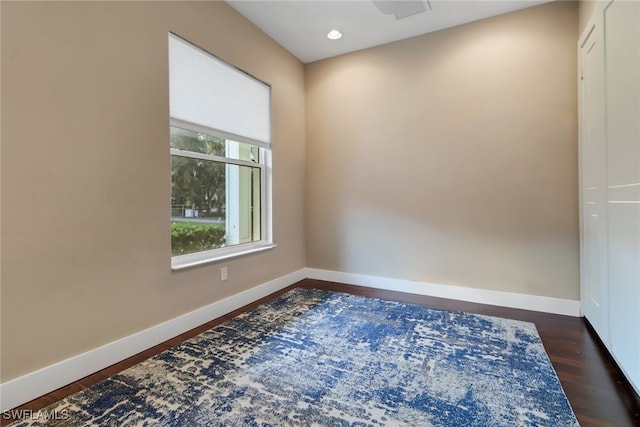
220	158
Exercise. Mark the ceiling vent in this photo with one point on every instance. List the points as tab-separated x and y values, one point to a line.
401	8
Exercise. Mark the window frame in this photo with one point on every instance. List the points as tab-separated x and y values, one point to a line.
226	252
184	261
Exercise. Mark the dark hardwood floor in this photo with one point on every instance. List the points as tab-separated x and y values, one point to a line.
597	391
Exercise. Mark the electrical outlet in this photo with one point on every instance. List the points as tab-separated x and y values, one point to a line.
224	274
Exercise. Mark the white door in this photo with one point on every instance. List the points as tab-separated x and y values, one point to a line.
593	182
622	62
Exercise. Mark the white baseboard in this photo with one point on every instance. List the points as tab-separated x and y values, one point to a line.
38	383
483	296
35	384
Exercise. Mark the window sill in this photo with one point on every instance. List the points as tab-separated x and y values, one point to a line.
181	262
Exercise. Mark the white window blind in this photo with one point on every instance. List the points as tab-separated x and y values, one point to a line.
209	93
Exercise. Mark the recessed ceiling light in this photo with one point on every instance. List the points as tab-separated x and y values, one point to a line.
334	34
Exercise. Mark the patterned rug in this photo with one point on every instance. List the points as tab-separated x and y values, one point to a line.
317	358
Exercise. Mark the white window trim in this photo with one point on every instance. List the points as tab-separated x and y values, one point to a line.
180	262
212	158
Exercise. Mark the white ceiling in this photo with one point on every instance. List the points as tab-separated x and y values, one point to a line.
301	26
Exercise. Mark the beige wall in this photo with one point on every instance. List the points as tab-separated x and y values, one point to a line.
451	157
85	171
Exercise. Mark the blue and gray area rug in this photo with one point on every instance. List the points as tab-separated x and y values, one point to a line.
317	358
